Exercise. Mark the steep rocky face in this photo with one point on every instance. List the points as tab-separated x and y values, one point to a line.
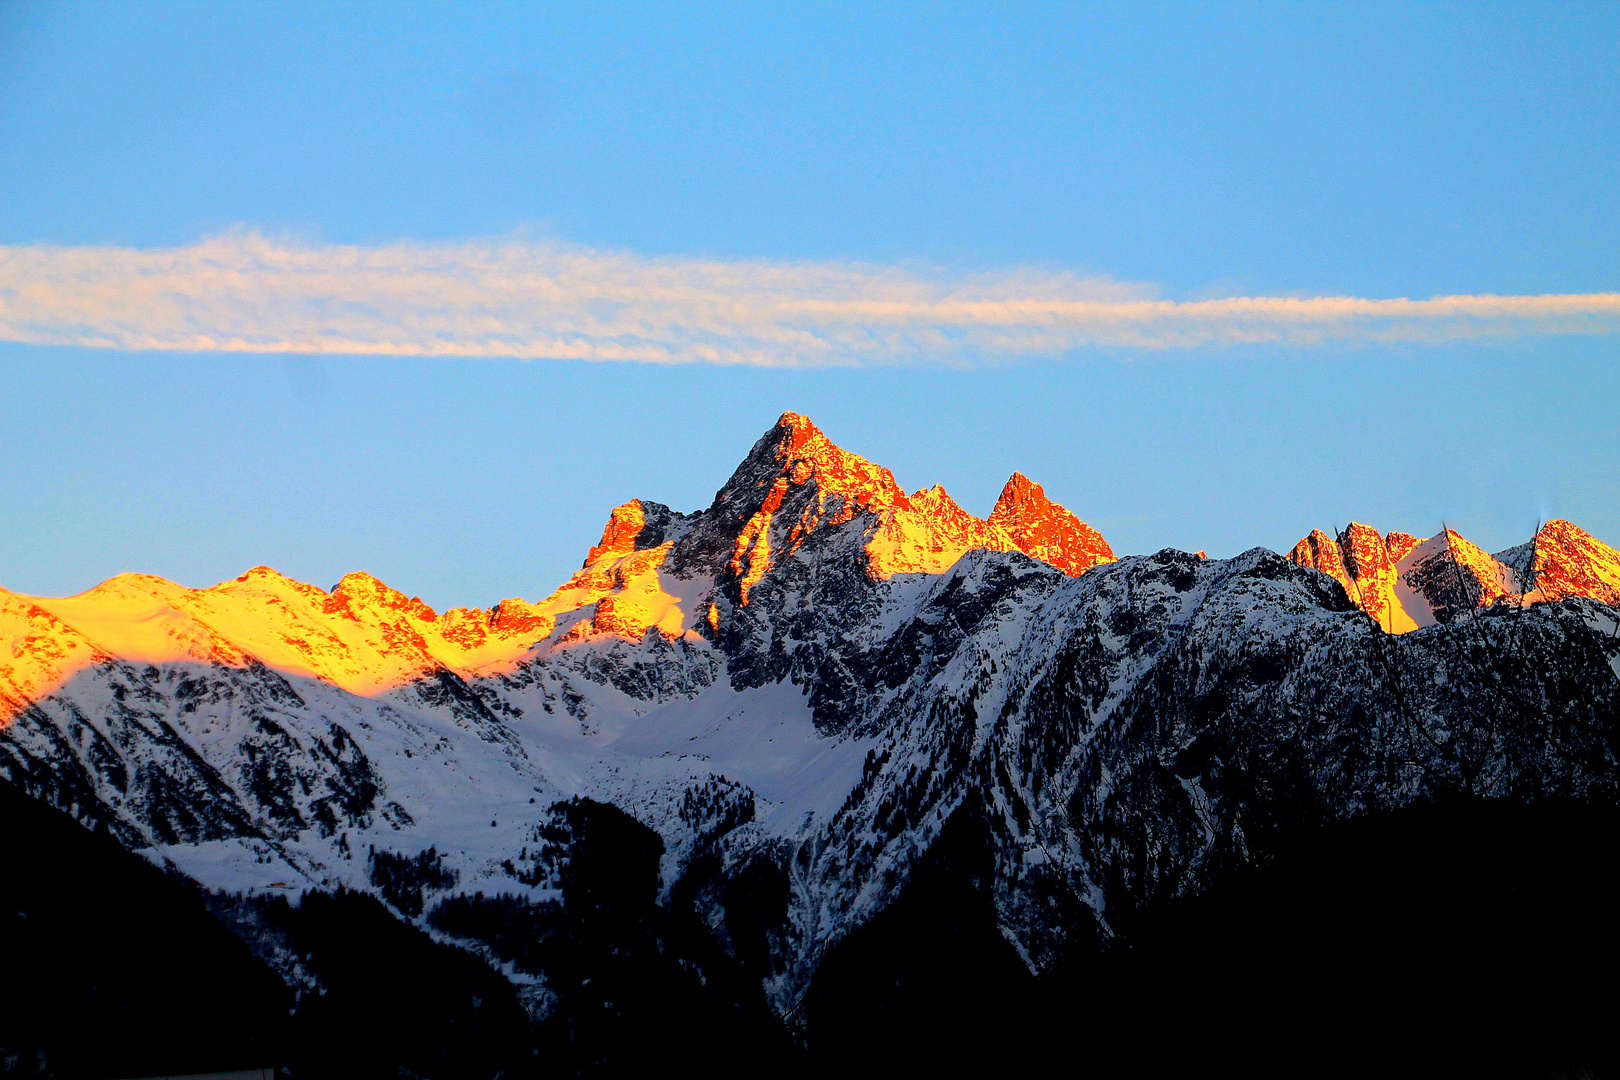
817	529
1451	576
802	687
637	526
1366	554
1565	560
793	482
1364	563
1319	551
1404	583
1400	545
1043	529
1160	718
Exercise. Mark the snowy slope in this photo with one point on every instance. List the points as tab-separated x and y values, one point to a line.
807	679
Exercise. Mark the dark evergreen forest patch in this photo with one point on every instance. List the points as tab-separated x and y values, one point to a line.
112	967
1465	938
392	1002
402	879
639	987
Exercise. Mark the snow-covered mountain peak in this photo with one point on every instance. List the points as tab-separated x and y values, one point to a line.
1448	575
927	534
267	581
936	502
809	690
1403	582
798	452
636	526
1565	560
123	590
360	594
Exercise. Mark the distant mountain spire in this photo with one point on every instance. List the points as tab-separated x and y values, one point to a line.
1043	529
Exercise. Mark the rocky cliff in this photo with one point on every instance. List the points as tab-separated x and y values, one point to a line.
1403	582
800	690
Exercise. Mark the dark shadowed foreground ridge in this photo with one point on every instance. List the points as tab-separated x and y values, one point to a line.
830	776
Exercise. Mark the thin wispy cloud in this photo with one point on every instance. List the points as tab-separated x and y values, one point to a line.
242	292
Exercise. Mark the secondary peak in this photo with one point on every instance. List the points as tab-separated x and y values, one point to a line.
359	590
1047	531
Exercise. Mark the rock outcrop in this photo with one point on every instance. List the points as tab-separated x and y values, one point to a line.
801	687
1403	582
1043	529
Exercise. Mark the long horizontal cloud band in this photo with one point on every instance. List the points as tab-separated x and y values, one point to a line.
243	293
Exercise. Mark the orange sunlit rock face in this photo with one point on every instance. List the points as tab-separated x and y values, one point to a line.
1319	551
926	534
1360	560
1403	582
655	571
1400	545
624	525
796	482
658	574
1565	560
623	590
1045	530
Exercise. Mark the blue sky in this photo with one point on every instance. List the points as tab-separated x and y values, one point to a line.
1180	153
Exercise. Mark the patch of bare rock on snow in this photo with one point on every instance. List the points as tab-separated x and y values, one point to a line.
802	685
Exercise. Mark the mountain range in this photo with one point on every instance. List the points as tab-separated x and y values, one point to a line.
744	746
